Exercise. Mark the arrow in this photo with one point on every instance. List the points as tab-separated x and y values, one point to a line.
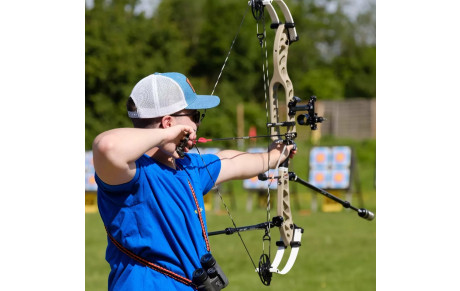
205	140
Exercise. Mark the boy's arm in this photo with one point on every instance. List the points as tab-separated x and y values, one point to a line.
242	165
116	151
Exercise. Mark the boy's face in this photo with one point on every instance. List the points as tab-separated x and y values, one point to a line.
188	117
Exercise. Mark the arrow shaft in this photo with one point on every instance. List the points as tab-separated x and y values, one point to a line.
204	140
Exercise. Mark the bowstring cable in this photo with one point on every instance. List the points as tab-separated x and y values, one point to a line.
263	45
226	208
226	59
229	51
206	166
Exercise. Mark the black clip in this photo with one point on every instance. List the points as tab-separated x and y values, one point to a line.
181	147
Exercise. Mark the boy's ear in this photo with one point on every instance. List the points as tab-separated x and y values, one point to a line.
166	121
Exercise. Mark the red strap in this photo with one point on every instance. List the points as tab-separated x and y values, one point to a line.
151	265
205	236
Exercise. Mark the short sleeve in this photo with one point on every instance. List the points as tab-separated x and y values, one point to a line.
121	188
208	170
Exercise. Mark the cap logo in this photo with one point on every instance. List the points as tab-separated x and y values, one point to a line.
191	85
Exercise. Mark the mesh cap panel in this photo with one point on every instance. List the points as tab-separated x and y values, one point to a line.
173	100
155	96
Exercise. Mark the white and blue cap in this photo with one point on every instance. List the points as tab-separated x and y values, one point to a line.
162	94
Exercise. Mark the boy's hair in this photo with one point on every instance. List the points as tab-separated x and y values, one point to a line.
141	122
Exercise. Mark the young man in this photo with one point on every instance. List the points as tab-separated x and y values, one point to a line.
150	199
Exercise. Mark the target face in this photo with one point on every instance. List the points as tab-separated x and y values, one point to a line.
320	157
320	178
90	182
89	166
341	157
254	182
204	151
340	179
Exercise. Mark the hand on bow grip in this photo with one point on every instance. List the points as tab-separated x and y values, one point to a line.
282	150
292	147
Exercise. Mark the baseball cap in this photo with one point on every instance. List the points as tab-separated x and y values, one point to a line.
162	94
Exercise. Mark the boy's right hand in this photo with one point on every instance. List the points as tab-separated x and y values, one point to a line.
178	140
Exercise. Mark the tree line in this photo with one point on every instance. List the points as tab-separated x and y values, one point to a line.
333	59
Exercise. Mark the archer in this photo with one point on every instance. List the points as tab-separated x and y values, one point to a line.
150	188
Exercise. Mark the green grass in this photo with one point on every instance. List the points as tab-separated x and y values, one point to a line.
97	269
338	250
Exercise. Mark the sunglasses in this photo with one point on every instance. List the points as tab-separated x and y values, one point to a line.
195	115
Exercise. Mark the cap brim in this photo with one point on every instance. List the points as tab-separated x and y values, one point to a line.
204	102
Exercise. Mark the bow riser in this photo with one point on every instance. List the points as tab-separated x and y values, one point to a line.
281	78
284	206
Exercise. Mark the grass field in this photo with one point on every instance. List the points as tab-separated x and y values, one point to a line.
338	250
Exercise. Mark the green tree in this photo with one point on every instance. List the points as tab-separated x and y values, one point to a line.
333	59
121	47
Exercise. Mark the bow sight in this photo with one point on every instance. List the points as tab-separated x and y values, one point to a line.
311	117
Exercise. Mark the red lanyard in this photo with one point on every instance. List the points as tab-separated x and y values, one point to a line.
156	267
205	236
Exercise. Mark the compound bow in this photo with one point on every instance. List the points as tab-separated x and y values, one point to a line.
290	233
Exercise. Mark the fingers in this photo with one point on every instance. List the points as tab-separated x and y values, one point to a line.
182	147
289	151
292	150
189	132
187	136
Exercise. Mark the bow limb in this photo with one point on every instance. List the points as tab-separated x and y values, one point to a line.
289	21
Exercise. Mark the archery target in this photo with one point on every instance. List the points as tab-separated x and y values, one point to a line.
340	179
320	178
330	167
254	183
89	166
211	151
341	157
320	157
90	182
204	151
257	150
195	151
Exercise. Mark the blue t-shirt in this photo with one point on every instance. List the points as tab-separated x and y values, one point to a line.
155	216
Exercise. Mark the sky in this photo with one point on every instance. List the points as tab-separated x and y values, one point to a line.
351	7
